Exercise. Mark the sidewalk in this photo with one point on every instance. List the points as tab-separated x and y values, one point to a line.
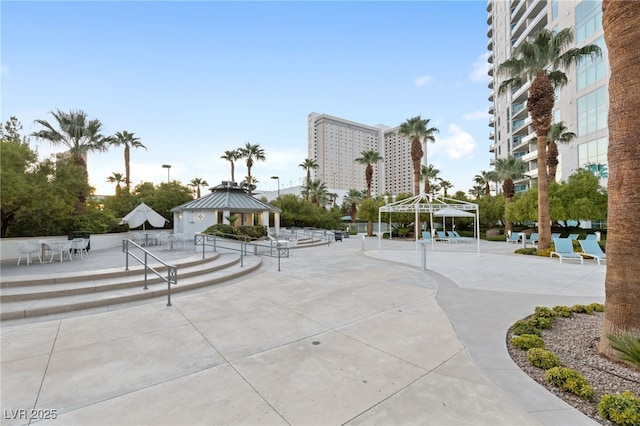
338	336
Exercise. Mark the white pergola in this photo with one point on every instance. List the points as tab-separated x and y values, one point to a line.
436	207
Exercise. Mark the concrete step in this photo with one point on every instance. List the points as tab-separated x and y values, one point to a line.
33	297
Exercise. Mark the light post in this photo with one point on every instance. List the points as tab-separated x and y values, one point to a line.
277	177
168	167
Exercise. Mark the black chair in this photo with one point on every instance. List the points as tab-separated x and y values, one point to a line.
338	236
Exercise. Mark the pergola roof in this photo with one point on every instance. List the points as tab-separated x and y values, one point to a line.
227	197
431	204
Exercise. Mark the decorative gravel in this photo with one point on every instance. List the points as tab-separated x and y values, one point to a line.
574	341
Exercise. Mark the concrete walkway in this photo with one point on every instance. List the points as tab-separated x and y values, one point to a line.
337	336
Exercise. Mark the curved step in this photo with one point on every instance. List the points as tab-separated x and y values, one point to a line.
113	289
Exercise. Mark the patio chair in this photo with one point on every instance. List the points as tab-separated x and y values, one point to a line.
564	250
555	235
591	237
60	247
514	237
573	236
79	247
426	235
138	238
27	248
441	236
463	239
592	248
533	239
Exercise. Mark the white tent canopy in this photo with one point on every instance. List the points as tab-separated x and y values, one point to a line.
435	206
142	214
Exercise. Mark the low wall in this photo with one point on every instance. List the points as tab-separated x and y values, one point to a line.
9	249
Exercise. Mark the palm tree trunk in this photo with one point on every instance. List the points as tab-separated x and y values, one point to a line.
127	171
621	22
552	160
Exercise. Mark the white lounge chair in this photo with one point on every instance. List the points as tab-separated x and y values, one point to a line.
592	248
27	248
564	250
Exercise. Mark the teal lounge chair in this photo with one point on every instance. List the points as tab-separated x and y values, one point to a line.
555	235
442	237
592	248
463	239
591	237
455	237
513	238
564	250
573	236
426	235
533	239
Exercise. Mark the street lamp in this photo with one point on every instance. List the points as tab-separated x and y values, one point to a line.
168	167
277	177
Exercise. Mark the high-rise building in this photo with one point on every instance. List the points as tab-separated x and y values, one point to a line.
581	104
334	143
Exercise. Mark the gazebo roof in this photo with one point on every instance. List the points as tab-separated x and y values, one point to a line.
227	196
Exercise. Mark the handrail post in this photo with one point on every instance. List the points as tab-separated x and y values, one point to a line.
125	249
145	271
242	248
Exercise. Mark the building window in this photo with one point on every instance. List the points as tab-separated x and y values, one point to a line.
589	70
554	9
588	18
592	156
592	111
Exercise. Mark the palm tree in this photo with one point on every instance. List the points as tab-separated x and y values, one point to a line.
128	140
621	23
352	199
368	158
80	135
557	132
252	153
249	183
445	185
231	156
484	178
197	183
317	190
418	131
540	60
477	191
428	174
509	169
308	164
116	178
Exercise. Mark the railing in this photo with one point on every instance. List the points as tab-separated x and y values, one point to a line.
172	271
273	246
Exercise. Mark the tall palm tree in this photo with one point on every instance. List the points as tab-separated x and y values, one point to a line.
249	183
309	164
368	158
540	60
116	178
252	153
128	140
621	24
197	183
509	169
477	191
80	135
445	185
428	174
231	156
352	199
557	133
418	130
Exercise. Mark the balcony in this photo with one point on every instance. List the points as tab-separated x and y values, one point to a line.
492	135
492	122
530	156
492	110
489	18
490	31
491	96
490	85
492	147
490	72
492	161
489	5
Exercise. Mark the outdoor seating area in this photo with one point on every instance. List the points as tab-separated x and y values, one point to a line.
592	249
564	250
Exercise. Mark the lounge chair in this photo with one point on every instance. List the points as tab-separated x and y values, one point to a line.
426	235
591	237
592	248
573	236
453	237
441	236
533	239
513	238
564	250
555	235
459	237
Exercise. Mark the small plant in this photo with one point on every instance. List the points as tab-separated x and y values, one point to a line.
597	307
543	323
570	380
529	251
582	309
528	341
628	348
542	358
563	311
525	327
623	409
546	252
544	312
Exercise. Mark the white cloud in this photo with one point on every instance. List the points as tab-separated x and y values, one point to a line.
477	115
457	144
480	69
422	80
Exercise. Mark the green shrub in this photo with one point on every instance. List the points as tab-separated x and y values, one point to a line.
525	327
582	309
543	323
542	358
569	380
544	312
563	311
254	232
623	409
597	307
528	341
219	229
628	348
546	252
529	251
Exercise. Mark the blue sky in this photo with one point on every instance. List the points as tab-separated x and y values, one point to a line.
193	79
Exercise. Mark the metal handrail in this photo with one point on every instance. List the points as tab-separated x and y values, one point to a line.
172	271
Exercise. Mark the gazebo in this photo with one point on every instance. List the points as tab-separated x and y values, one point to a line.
225	200
437	207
